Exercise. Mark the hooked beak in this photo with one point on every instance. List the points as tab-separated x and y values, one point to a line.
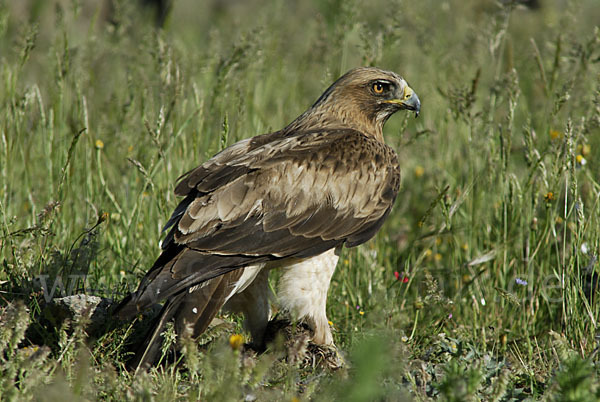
409	101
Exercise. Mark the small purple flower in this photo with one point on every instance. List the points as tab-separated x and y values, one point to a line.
450	316
521	282
357	307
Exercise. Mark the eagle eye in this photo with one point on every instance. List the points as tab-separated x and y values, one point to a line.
379	87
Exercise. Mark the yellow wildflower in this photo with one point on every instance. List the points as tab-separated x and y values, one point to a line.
554	135
236	341
99	144
419	171
28	351
586	149
103	217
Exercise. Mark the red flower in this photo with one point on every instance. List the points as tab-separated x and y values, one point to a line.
404	278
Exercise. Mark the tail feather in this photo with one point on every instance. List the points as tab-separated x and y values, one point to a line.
148	352
179	272
127	309
203	303
193	311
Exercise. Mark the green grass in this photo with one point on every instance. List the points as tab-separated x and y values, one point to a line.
98	119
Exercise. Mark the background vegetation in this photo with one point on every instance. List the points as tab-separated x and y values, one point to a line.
481	286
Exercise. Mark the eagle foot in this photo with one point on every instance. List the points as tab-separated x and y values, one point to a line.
295	339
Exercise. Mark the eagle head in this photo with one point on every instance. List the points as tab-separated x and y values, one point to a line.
363	99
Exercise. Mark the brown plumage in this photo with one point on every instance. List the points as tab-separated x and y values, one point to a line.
286	199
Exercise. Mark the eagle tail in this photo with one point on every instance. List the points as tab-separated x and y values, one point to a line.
126	309
193	310
148	352
203	302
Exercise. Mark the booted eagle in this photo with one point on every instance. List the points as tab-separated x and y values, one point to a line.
288	200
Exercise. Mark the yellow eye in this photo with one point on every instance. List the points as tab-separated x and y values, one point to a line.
378	88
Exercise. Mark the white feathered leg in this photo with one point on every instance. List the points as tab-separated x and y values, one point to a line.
302	290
